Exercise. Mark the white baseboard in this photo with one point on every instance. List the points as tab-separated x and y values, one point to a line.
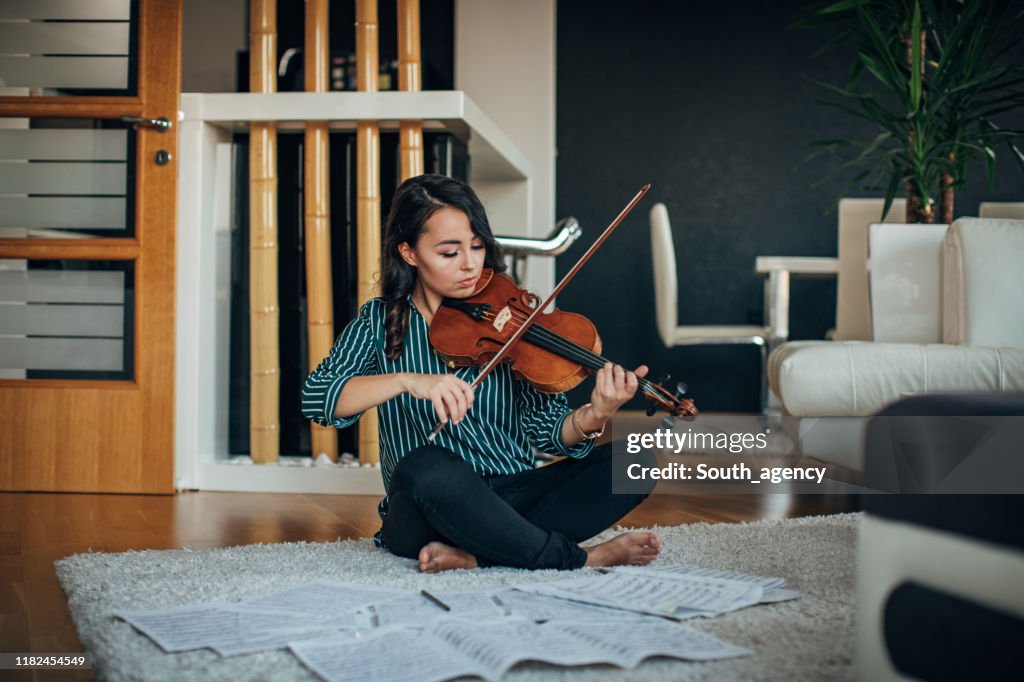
288	476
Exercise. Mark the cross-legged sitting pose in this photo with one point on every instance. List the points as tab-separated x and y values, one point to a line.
474	497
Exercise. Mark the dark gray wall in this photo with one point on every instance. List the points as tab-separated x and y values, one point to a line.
710	102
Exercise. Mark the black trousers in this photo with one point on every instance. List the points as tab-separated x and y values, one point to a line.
533	519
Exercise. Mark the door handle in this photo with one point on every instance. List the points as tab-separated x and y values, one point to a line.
161	124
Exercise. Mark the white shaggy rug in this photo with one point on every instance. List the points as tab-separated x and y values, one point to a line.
810	638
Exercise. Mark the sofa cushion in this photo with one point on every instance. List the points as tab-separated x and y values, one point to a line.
982	281
904	281
858	378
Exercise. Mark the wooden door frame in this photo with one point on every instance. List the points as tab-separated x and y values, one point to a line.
152	250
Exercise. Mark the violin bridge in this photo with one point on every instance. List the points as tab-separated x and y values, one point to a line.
502	318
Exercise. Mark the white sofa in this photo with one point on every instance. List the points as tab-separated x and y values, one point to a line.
827	388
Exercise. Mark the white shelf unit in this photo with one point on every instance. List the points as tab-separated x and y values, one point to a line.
205	192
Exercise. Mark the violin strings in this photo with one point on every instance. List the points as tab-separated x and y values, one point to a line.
573	351
563	346
569	349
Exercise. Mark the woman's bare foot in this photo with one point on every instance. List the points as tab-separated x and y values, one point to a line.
635	548
437	556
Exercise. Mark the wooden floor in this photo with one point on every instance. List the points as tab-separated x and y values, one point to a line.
37	529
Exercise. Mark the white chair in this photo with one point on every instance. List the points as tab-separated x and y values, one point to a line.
1012	210
853	310
666	296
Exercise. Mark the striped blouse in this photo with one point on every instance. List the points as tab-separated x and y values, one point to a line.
508	417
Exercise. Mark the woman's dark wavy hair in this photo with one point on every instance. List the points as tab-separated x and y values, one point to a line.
415	201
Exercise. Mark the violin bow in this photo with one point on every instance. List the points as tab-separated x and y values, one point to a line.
512	340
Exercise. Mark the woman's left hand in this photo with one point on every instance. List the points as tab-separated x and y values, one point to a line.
613	388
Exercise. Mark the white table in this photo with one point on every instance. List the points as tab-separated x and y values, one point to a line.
777	271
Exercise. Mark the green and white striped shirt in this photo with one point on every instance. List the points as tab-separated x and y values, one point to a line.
508	417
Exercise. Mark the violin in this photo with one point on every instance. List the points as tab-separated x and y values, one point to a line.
557	351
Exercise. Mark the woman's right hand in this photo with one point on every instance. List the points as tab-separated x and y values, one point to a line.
452	397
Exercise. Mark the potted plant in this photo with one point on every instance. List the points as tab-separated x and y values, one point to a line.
929	76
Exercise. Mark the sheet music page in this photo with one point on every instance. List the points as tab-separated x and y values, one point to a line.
541	607
182	628
324	598
268	630
634	642
471	605
413	609
779	594
499	645
267	619
751	597
383	656
685	570
640	592
250	642
227	630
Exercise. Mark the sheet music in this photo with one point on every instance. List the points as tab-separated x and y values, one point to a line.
774	590
182	628
542	607
646	594
779	594
359	632
499	645
383	656
267	630
271	619
227	630
323	598
253	641
413	609
686	570
452	647
639	641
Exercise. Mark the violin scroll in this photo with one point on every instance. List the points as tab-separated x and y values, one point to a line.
663	399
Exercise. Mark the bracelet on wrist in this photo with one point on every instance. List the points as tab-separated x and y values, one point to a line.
585	435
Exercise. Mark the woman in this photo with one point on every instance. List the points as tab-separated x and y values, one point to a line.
474	497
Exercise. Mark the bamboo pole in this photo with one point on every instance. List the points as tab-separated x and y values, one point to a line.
319	296
264	427
367	194
410	133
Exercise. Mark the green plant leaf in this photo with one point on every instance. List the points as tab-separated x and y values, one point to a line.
890	194
845	92
951	55
877	40
915	60
868	62
978	81
990	166
1017	154
841	6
